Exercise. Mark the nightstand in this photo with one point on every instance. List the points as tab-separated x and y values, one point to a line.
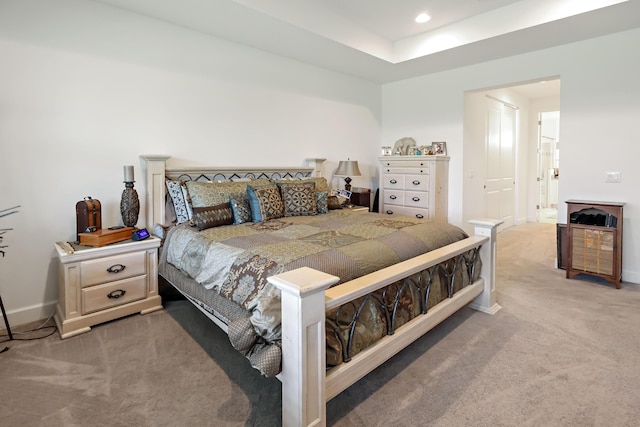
356	208
361	199
96	285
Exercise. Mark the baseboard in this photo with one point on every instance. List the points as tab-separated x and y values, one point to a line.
29	314
630	276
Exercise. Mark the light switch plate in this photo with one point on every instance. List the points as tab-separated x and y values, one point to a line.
613	177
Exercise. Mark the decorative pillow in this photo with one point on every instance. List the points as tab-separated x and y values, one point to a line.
299	199
203	194
321	202
180	197
320	182
265	202
240	208
333	203
213	216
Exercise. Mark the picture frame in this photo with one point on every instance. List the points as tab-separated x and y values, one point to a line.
439	148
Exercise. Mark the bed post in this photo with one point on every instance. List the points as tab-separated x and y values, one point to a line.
303	345
155	188
486	301
316	164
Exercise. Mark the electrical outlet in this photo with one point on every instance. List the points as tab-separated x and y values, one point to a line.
613	177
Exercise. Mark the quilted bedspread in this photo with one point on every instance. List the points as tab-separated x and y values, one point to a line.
235	260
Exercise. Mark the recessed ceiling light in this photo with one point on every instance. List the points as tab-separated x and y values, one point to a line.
422	18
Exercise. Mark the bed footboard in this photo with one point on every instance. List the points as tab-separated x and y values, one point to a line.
306	385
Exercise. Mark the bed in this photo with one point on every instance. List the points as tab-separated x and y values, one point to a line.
316	297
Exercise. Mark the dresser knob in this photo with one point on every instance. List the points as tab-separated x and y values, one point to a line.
393	197
416	182
415	199
419	216
393	181
389	212
116	268
116	294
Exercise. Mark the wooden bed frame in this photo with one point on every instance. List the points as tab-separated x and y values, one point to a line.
306	295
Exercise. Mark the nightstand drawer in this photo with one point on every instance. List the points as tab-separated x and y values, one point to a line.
108	269
101	297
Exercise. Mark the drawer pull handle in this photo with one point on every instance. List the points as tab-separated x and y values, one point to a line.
419	216
116	268
116	294
415	199
392	197
393	181
389	212
416	182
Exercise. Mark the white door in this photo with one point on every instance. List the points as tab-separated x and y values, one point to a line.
500	144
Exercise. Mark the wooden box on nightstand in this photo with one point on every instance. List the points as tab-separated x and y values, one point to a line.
96	285
361	199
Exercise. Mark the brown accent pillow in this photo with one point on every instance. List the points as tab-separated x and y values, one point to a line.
299	199
213	216
333	203
265	202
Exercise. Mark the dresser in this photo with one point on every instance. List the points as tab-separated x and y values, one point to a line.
415	186
96	285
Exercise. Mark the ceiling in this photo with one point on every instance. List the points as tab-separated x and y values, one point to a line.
379	41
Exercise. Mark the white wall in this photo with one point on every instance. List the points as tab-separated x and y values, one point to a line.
600	106
86	88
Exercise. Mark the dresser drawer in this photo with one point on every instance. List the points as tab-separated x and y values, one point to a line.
101	297
406	211
393	181
413	164
108	269
416	182
416	199
394	197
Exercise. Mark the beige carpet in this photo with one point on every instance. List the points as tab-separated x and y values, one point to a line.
559	353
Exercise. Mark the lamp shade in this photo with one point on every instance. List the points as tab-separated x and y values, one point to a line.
348	168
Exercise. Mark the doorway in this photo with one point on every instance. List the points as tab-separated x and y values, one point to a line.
481	169
548	166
